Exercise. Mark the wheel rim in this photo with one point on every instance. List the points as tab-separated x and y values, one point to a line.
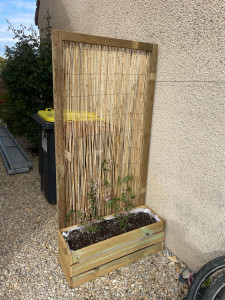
220	293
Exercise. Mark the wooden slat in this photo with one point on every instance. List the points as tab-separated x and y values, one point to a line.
118	263
115	253
105	41
150	89
58	126
65	261
65	271
64	247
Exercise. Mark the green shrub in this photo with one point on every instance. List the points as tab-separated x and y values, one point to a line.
2	61
27	75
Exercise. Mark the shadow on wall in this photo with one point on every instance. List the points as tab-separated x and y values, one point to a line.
181	238
59	18
188	253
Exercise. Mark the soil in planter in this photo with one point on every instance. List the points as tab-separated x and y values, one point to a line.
106	229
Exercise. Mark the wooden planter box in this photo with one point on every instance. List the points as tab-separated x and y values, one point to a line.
99	259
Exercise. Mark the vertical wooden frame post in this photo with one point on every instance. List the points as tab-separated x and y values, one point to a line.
148	116
58	129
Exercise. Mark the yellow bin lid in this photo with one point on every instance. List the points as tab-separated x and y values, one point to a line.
48	115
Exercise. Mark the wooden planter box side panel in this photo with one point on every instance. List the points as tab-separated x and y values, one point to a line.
116	241
65	269
115	264
108	256
96	260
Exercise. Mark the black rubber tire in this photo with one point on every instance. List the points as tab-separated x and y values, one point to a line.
217	288
201	276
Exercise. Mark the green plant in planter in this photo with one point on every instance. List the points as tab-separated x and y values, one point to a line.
67	217
79	216
93	195
92	228
122	202
126	198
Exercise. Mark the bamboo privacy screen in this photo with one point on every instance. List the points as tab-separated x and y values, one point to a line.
103	99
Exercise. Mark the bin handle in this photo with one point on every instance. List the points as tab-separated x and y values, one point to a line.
49	109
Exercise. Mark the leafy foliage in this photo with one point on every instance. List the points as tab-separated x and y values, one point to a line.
2	61
27	74
120	204
92	228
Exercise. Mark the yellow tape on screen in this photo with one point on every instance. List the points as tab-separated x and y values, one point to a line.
48	115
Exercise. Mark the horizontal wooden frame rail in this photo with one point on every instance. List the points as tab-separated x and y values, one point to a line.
105	41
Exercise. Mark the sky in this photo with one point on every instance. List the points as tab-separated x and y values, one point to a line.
17	12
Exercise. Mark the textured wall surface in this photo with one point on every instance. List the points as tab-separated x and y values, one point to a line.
186	180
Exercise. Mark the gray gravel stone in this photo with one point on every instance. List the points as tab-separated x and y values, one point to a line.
29	256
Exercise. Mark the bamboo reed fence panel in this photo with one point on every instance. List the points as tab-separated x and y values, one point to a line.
103	97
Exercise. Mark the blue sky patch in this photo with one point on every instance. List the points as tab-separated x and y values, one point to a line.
17	12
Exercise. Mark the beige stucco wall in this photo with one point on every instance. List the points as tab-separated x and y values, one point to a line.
186	180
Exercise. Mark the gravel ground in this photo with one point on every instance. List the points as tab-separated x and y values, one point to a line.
29	266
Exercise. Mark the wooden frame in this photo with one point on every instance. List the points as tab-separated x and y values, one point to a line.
99	259
58	37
